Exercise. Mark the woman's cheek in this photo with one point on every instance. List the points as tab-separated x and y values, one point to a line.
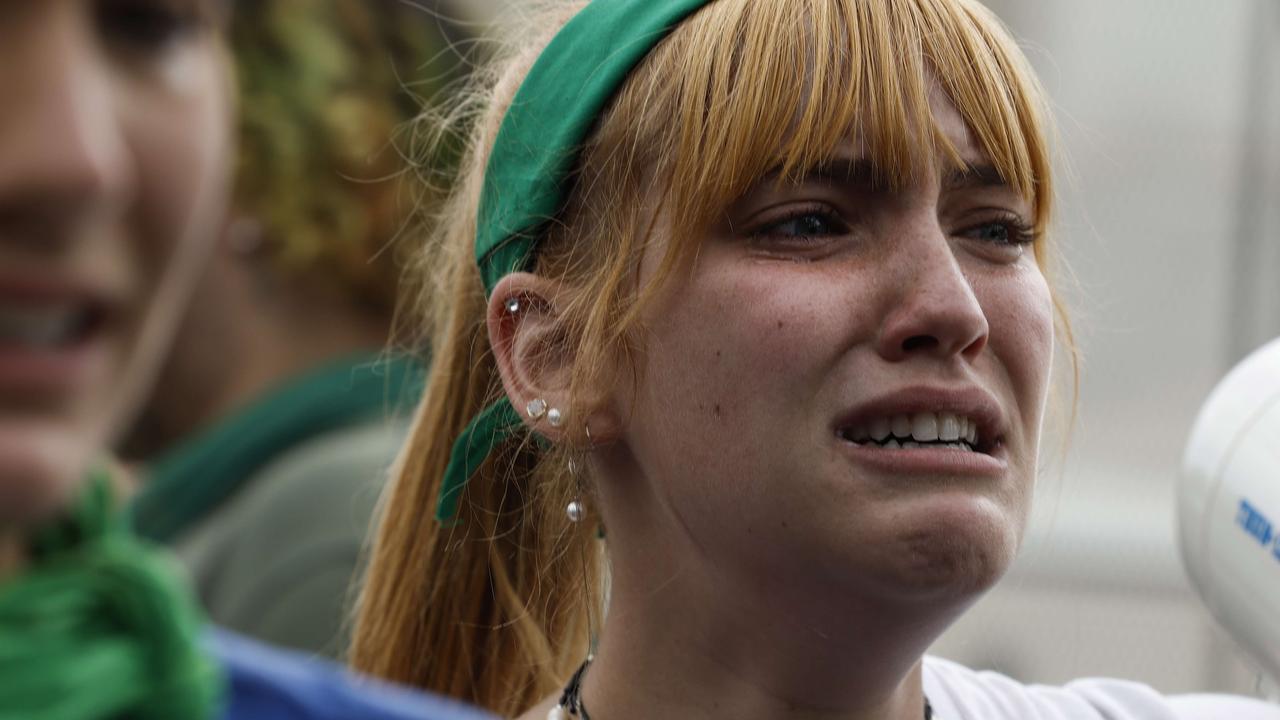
1020	313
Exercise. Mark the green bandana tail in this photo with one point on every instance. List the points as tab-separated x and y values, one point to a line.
490	427
537	147
100	626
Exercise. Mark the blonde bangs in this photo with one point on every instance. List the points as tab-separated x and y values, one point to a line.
754	88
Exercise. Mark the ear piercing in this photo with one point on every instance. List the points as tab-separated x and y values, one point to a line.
537	409
513	305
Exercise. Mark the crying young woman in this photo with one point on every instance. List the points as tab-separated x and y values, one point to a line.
743	326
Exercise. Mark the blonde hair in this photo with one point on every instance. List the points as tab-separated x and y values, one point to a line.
494	609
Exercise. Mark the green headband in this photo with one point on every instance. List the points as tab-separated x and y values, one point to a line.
537	148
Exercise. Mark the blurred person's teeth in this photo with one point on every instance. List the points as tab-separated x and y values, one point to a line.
44	327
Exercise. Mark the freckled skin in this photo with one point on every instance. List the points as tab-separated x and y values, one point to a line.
763	482
753	557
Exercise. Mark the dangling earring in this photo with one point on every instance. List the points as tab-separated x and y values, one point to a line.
575	510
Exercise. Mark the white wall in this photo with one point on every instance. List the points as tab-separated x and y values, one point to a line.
1153	99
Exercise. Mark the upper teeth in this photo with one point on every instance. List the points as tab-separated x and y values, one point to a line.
39	327
918	427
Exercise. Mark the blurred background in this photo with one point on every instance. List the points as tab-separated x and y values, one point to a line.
1170	222
1170	121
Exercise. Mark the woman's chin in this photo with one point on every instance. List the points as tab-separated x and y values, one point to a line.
950	547
41	466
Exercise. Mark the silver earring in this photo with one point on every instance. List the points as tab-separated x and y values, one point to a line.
537	408
513	305
575	510
555	418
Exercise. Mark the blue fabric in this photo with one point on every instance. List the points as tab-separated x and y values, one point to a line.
270	684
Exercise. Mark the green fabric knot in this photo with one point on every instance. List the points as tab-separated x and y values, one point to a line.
101	626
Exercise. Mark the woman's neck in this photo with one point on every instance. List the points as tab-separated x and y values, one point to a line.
669	655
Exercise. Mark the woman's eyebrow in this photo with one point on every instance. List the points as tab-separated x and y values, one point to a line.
862	174
974	176
858	173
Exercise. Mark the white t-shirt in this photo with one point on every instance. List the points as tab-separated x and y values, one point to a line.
958	693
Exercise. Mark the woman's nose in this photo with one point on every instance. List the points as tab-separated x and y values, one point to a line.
63	153
934	310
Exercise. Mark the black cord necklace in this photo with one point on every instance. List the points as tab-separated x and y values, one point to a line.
571	704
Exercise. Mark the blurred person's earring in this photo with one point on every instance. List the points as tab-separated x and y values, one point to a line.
513	305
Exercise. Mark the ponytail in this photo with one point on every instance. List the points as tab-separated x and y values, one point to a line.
492	608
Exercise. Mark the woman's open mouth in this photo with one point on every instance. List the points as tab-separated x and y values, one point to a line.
927	431
917	430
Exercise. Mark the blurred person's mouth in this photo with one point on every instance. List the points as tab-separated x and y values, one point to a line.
44	327
51	340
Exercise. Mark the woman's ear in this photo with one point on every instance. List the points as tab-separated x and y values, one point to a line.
531	351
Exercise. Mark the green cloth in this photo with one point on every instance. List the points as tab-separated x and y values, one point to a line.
194	480
538	144
477	441
100	626
555	110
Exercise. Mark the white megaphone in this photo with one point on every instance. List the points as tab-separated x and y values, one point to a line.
1229	506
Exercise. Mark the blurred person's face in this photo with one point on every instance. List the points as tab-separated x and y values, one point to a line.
114	127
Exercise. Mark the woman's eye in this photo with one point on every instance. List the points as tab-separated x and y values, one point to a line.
807	224
1005	231
149	26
